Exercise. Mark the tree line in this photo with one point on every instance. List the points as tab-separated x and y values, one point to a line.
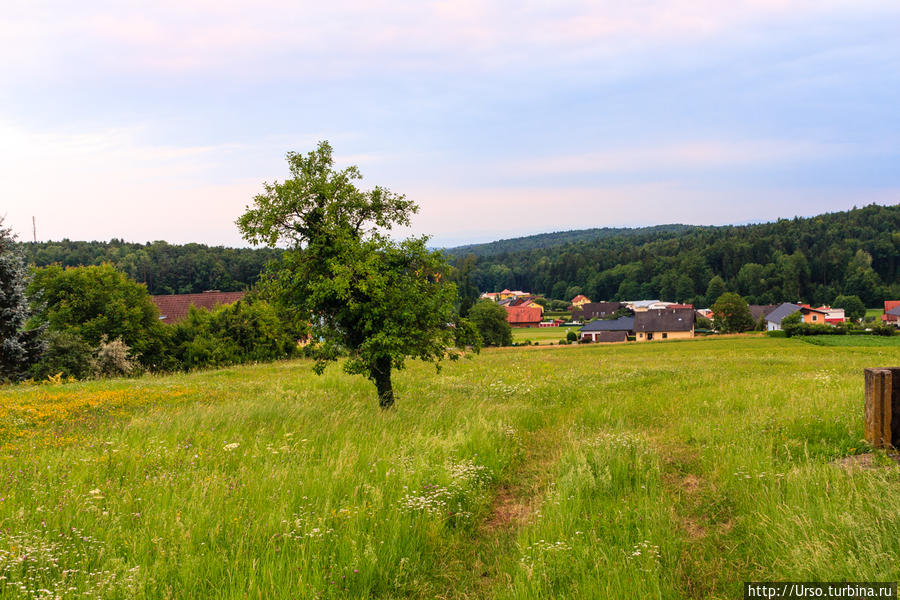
164	268
850	253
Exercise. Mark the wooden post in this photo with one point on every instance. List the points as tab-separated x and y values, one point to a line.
883	407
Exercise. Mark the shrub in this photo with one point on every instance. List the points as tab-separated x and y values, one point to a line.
490	319
112	359
65	353
571	336
885	330
776	333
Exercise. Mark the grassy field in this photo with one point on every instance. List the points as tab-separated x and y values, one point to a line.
541	334
875	312
662	470
854	341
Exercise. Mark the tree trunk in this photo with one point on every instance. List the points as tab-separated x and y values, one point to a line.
381	374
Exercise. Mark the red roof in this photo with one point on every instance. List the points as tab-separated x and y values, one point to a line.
580	298
680	306
174	307
889	305
523	314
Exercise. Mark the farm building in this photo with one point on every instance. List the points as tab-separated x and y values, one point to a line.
174	307
523	316
809	315
891	314
613	330
596	310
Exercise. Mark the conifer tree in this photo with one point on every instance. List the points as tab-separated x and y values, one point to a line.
19	347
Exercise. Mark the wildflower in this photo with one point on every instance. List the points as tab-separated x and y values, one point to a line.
231	446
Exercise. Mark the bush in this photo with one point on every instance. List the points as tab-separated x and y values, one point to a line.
776	333
112	359
65	353
247	331
885	330
490	319
571	336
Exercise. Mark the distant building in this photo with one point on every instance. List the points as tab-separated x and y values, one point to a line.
808	315
609	330
833	316
523	316
174	307
596	310
579	300
664	324
891	316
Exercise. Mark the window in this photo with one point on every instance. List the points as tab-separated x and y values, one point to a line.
815	317
665	335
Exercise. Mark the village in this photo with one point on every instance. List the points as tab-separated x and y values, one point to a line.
649	320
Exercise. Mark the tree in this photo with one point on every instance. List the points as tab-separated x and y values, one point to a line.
20	346
731	314
376	300
490	320
98	302
854	309
715	289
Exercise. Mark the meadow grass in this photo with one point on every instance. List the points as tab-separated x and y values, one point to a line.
541	334
853	340
657	470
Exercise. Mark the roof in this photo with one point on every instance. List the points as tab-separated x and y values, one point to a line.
523	314
611	336
580	298
665	319
680	306
894	312
781	312
596	310
620	324
758	311
642	303
174	307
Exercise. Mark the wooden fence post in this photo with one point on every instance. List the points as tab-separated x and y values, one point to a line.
883	407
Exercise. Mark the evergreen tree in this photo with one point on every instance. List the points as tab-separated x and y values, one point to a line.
19	347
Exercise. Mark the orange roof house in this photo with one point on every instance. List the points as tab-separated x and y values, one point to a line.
890	306
580	300
523	316
174	307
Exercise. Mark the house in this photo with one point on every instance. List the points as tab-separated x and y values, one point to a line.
610	330
596	310
890	315
579	300
664	324
174	307
760	311
833	316
812	315
808	315
642	305
553	323
523	316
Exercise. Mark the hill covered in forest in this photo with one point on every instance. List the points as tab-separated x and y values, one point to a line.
854	252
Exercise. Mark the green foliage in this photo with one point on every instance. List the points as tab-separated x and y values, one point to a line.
791	323
490	320
376	300
246	331
854	309
97	303
731	314
855	252
571	336
715	289
164	268
65	353
20	346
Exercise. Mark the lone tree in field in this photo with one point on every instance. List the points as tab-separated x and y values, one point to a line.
377	300
19	347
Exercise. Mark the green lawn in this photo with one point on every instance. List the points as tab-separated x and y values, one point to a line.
875	312
541	334
853	340
658	470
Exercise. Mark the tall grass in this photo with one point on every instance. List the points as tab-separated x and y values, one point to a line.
678	469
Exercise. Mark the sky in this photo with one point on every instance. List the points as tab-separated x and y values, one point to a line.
161	120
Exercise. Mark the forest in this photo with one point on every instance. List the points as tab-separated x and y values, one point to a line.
854	252
164	268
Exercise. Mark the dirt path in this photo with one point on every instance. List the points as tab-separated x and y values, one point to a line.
515	502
